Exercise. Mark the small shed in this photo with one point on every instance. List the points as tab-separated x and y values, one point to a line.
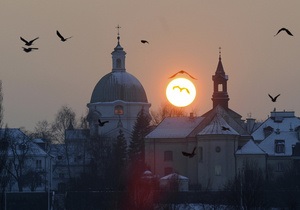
174	182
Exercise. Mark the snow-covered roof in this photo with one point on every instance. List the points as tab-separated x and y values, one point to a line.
175	127
19	142
174	175
289	138
217	125
284	121
250	148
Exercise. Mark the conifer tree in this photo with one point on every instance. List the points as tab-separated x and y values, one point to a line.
140	130
120	159
139	194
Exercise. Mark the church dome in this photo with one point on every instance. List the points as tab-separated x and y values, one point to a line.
119	85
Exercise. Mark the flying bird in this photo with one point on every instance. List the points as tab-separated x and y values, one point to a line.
274	98
101	124
63	39
144	41
284	29
28	43
29	49
182	72
190	155
181	89
225	128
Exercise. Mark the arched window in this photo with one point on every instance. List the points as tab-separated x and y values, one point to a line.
119	110
119	64
220	87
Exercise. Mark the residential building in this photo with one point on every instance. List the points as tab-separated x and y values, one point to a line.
28	167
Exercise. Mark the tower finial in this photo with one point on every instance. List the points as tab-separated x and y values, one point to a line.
118	28
220	53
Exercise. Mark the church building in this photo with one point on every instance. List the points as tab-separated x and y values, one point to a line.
118	97
215	137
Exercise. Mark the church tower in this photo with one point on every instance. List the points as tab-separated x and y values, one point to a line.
220	95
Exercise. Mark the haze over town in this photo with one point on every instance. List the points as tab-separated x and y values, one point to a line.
181	34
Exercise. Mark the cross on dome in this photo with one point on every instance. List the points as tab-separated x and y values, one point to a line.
118	28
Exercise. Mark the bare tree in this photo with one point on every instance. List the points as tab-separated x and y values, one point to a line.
246	190
33	179
166	110
65	119
18	155
43	130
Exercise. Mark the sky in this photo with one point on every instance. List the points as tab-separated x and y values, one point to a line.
182	35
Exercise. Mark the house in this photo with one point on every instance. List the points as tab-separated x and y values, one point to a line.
275	143
28	165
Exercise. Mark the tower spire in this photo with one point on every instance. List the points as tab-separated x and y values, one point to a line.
220	95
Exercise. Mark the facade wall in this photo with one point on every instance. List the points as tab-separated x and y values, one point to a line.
218	160
109	111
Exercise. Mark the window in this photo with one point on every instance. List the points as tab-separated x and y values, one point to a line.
220	87
280	167
168	156
22	146
279	146
168	170
59	157
118	63
218	170
200	152
119	110
38	164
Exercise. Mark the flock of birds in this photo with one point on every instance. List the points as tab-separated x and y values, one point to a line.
100	123
30	43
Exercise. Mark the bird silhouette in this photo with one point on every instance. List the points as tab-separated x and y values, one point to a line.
284	29
182	72
29	49
144	41
101	124
225	128
181	89
63	39
274	98
28	43
190	155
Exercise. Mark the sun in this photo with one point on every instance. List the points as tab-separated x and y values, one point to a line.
181	92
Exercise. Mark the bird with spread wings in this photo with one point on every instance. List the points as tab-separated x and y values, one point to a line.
284	29
181	72
190	155
62	38
101	124
28	43
274	98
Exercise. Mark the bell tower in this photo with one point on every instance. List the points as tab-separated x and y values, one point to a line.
220	95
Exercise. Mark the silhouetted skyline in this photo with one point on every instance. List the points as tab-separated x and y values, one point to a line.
182	35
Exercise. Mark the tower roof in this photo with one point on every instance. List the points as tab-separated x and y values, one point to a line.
220	69
118	84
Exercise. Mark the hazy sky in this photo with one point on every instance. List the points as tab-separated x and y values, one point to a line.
183	34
